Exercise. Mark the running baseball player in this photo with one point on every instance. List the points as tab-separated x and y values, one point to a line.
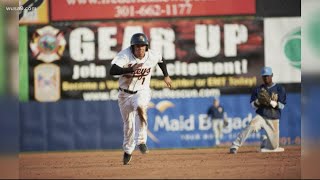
135	65
268	100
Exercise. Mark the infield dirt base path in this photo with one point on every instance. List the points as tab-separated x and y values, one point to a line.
208	163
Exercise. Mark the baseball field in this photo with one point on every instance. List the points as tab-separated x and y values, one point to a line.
204	163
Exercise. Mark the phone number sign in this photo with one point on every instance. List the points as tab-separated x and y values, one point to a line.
63	10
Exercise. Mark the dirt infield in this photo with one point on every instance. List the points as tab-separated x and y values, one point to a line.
208	163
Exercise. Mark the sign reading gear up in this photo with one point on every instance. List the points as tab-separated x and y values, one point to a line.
203	56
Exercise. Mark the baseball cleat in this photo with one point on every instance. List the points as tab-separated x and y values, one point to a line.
233	151
279	149
263	141
126	158
143	148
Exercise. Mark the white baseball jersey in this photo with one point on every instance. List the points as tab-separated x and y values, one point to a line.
140	79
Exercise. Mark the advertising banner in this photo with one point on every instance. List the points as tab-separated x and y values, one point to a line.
172	123
180	123
283	48
204	57
63	10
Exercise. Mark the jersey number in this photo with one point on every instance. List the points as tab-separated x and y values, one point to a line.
143	79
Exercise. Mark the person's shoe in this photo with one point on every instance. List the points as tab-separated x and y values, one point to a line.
233	151
217	142
143	148
263	141
126	158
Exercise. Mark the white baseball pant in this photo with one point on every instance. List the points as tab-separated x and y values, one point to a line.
133	108
271	126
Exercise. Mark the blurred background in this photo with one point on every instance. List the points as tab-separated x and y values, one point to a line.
9	84
57	94
310	88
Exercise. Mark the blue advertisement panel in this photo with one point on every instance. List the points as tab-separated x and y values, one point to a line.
182	123
173	123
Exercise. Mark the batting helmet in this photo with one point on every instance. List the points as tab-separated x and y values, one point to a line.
139	38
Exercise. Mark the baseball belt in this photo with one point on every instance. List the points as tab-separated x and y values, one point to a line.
128	91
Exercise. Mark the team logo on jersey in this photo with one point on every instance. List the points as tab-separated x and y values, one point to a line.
47	44
47	82
140	73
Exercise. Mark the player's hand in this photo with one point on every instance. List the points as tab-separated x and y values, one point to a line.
168	81
136	66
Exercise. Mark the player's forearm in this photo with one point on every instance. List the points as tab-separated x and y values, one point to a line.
163	68
116	70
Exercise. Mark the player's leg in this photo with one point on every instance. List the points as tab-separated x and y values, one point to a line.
220	127
272	131
141	101
264	140
128	117
254	126
215	131
141	126
217	125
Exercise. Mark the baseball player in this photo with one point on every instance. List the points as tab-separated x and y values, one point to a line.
219	119
268	100
135	65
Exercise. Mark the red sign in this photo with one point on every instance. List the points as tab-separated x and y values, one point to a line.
63	10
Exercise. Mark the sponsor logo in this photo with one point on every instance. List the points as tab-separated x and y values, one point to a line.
197	122
161	106
291	47
47	82
194	126
47	44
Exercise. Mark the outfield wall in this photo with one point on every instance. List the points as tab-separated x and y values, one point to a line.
173	123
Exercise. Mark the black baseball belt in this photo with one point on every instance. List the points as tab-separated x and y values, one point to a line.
128	91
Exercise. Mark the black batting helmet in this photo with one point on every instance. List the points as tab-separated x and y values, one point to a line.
139	38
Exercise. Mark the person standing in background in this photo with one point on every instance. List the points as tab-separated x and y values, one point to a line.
219	119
